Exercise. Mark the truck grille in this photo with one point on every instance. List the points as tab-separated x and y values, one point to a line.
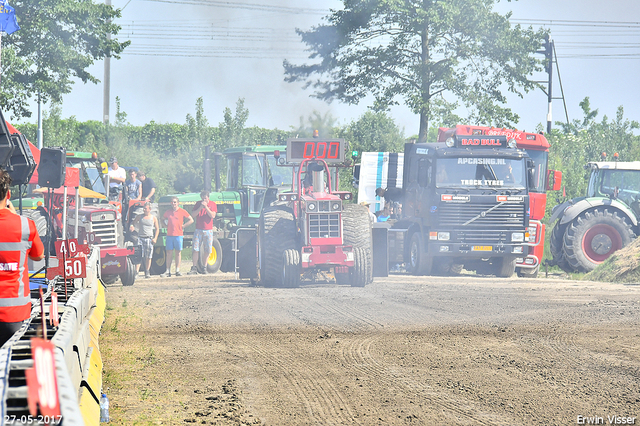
505	216
477	236
324	225
106	230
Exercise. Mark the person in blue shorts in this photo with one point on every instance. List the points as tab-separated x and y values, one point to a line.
175	218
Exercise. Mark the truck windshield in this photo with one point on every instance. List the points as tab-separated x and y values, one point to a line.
488	172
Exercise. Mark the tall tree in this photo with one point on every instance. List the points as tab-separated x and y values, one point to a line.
58	40
436	55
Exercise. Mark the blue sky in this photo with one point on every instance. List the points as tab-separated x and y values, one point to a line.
184	49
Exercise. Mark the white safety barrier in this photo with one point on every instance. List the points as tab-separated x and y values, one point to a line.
77	352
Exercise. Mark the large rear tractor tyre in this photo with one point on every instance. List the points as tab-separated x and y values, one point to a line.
291	270
277	234
359	274
557	242
593	236
214	260
158	261
356	231
129	277
419	262
504	267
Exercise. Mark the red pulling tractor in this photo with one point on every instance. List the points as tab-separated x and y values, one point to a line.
314	230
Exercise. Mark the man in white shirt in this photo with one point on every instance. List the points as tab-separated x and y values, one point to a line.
117	176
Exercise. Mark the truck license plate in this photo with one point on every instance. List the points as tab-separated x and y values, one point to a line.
482	248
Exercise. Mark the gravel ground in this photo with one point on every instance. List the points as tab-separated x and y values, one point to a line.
463	350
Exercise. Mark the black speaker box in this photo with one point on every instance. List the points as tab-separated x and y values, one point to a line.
6	147
21	165
52	168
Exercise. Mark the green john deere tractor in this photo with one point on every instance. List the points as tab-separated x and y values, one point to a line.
253	182
591	228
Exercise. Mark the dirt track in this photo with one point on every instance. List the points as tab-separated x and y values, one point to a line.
404	350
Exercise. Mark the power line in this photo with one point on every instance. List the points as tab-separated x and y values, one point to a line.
247	6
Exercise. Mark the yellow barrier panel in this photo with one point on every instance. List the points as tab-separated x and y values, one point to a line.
92	377
89	408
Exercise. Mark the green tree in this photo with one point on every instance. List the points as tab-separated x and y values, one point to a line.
435	55
58	40
232	128
373	131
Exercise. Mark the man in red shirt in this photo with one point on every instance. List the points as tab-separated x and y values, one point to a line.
204	211
174	219
18	240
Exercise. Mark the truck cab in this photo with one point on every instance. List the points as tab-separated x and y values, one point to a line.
466	203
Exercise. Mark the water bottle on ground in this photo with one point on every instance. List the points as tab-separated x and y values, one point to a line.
104	408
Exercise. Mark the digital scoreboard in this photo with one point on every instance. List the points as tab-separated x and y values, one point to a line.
329	150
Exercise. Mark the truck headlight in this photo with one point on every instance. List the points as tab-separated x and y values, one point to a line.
311	207
517	237
444	236
335	206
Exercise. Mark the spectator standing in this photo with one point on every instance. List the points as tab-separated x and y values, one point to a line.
148	187
148	230
19	240
204	212
117	176
133	187
175	221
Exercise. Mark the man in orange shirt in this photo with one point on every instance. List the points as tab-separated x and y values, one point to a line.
18	240
174	219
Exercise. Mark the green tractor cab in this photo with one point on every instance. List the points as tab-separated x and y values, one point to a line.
253	182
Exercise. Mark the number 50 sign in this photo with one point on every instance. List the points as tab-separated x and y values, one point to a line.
76	267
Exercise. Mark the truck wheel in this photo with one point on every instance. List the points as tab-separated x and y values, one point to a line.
291	269
158	261
356	231
214	260
504	267
557	241
419	262
359	274
593	237
129	277
277	234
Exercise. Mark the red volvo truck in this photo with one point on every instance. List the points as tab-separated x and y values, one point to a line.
537	148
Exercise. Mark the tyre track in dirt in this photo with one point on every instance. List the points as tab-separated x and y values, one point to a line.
358	355
321	399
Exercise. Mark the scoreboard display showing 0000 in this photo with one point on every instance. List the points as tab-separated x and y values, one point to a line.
329	150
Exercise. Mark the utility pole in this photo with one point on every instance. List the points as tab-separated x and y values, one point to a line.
548	54
107	77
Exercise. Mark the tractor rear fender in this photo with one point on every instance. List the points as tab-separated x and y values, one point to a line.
575	210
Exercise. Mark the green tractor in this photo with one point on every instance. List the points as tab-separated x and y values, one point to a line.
252	182
591	228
